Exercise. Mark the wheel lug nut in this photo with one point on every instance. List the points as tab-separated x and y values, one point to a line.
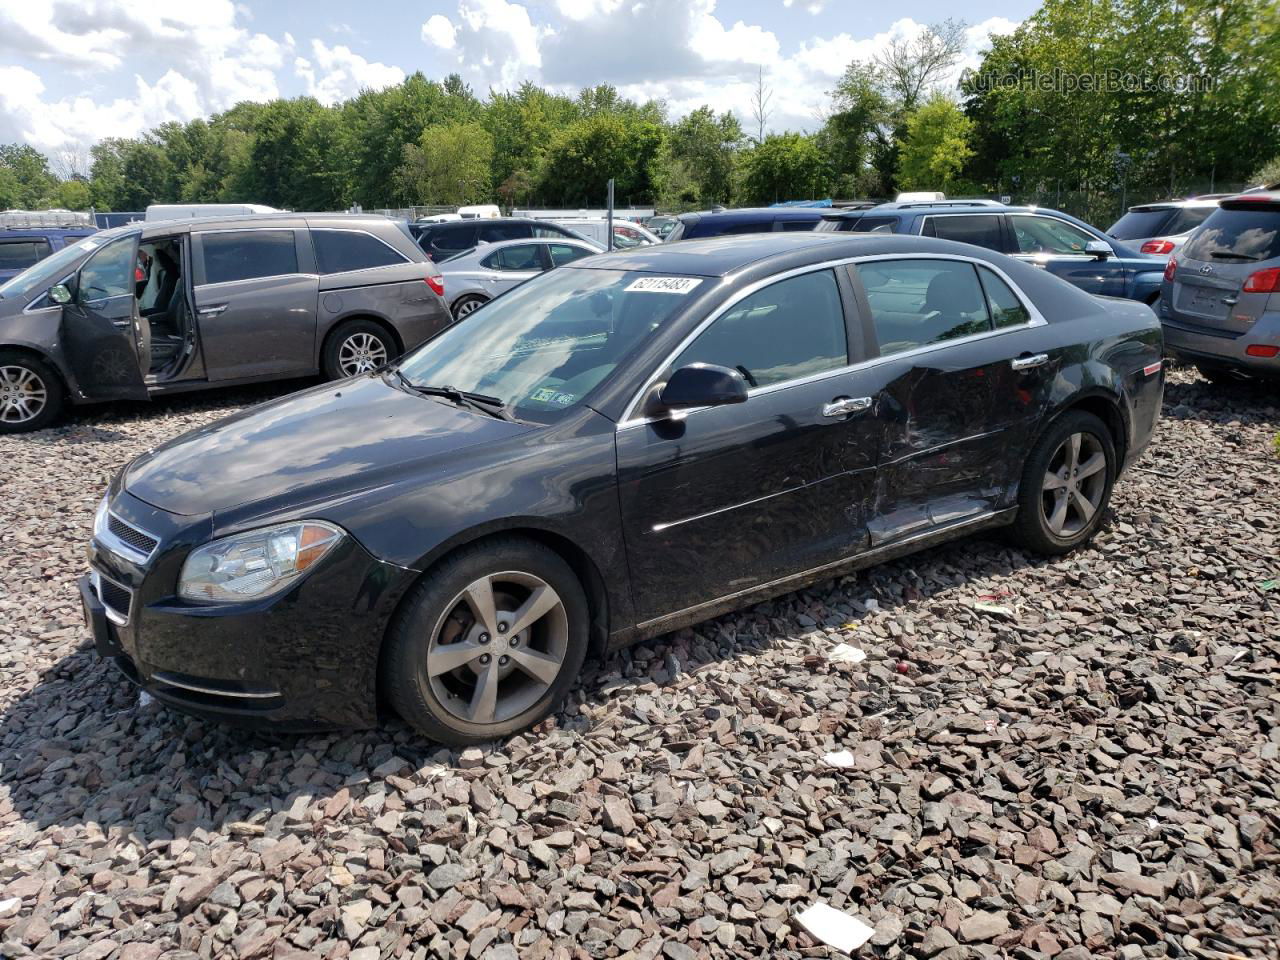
485	658
503	661
484	638
502	628
515	642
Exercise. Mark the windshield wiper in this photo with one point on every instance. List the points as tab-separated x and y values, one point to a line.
483	403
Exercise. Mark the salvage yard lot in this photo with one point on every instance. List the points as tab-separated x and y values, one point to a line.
1072	758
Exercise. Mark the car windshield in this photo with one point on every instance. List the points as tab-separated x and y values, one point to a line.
1241	234
541	348
1140	224
40	276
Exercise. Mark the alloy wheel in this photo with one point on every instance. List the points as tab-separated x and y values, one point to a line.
361	353
498	648
23	394
466	307
1074	485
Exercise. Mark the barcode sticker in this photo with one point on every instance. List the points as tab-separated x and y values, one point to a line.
680	285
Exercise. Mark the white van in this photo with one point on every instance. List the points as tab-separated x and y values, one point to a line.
480	211
920	196
192	211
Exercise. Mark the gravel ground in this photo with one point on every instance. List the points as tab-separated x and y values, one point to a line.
1066	759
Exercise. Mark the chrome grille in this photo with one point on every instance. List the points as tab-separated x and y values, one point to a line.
131	536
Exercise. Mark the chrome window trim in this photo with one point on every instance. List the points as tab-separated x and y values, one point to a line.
1036	320
116	545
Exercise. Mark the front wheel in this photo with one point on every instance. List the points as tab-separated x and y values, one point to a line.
1066	485
357	347
487	644
31	395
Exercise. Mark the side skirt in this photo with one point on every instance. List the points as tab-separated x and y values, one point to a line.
764	591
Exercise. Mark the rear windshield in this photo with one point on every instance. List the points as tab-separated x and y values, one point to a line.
1242	235
1140	224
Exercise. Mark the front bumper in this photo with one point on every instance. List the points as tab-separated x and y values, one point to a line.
304	659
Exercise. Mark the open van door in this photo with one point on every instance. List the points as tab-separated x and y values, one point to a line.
103	338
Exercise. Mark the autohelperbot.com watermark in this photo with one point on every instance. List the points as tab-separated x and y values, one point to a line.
1059	80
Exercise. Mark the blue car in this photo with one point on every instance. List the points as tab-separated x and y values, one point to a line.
720	222
1057	242
20	247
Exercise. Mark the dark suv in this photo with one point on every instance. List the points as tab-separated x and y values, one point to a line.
1054	241
719	223
443	240
186	304
23	247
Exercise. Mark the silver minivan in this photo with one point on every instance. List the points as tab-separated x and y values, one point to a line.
175	305
1220	301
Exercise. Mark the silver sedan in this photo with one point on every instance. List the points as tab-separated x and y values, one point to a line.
473	278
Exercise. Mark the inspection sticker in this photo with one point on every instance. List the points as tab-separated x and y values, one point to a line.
680	285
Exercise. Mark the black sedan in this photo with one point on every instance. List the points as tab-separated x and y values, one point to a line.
626	445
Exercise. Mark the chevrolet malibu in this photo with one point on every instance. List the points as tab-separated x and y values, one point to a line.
631	443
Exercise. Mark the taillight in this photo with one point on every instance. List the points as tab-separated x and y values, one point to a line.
1264	281
437	285
1157	246
1265	350
1170	269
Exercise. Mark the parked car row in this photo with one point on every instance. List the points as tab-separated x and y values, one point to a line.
187	304
623	445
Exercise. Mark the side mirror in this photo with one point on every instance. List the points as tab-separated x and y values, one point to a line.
703	385
59	293
1099	248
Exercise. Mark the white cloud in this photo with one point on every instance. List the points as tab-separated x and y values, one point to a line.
491	42
813	6
338	73
440	31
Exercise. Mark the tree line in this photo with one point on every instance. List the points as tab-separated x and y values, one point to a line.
1082	106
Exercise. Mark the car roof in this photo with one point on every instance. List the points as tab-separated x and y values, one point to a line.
1253	199
753	213
247	221
1207	200
721	256
19	233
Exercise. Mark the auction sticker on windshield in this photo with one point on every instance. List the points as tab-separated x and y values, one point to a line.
680	285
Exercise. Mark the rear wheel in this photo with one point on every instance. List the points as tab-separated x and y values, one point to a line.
488	643
357	347
469	304
1066	485
31	394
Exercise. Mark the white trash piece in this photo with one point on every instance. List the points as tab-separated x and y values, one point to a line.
843	653
834	928
841	758
145	699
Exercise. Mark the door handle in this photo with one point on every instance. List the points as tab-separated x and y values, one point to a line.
1026	363
212	311
843	406
1230	301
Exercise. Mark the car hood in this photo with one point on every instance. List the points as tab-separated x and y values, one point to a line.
325	443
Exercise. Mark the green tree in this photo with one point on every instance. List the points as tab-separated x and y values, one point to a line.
787	166
703	146
855	134
583	156
30	183
936	147
74	195
451	164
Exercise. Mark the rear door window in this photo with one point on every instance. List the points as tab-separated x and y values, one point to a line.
1240	235
449	238
549	230
981	230
790	329
562	253
248	255
874	224
790	225
340	251
915	303
20	254
1006	309
498	230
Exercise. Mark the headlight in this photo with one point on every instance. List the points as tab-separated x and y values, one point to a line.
251	565
100	518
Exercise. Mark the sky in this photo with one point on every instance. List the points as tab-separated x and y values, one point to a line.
75	71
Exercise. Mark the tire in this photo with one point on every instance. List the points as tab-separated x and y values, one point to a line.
465	305
440	691
31	393
357	347
1040	526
